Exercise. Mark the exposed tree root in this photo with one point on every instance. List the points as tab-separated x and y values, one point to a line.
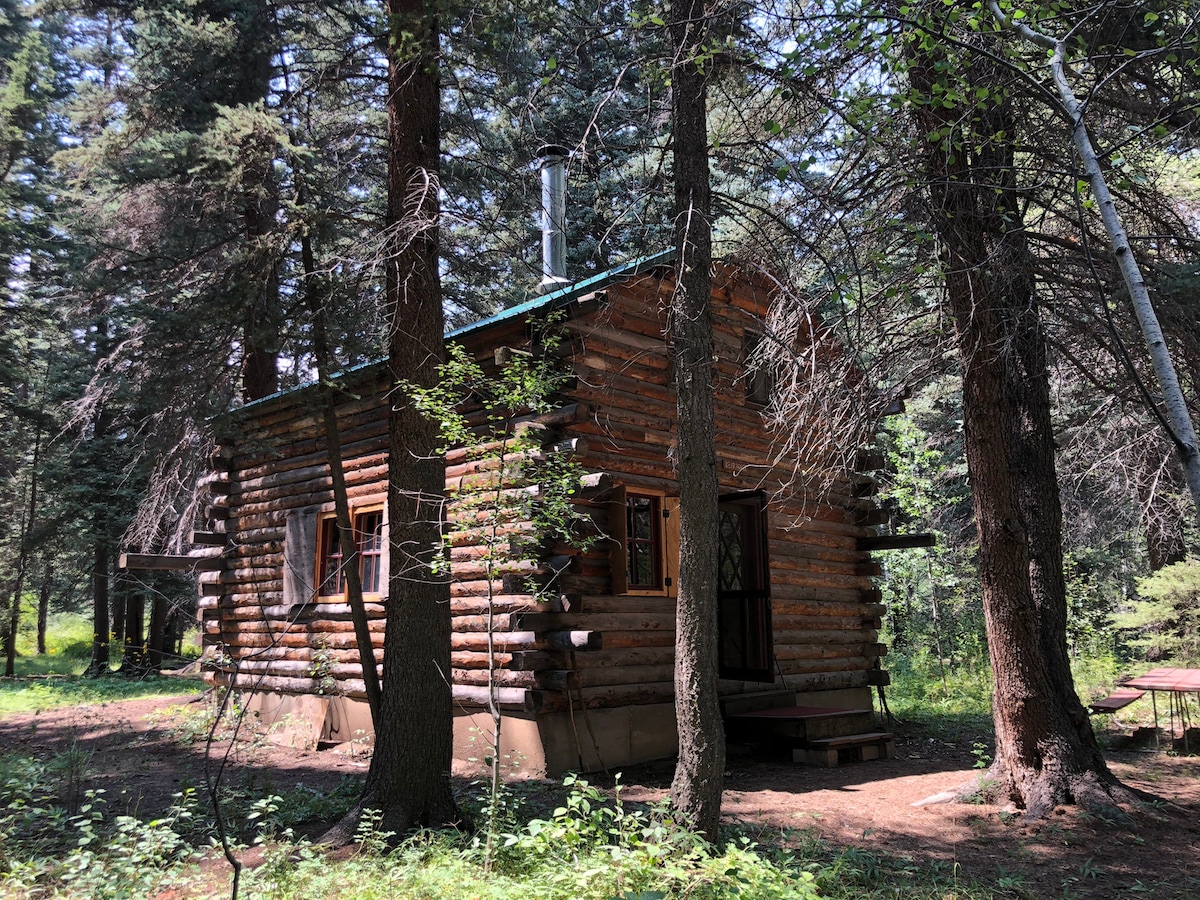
1105	798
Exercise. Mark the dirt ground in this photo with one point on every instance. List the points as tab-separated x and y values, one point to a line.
141	757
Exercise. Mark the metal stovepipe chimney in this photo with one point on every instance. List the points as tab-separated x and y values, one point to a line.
554	217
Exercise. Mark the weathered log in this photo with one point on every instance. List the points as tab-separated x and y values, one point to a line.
529	640
156	561
506	697
897	541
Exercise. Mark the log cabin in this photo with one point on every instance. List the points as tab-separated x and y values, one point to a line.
583	673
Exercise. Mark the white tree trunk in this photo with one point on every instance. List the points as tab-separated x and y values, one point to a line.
1183	433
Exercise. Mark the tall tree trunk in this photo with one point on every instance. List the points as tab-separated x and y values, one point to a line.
117	611
318	309
14	622
100	624
23	557
696	787
409	778
1046	752
43	614
156	639
133	658
254	24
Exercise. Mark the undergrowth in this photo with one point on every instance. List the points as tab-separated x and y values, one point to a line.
58	839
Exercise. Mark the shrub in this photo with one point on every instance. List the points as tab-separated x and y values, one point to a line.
1164	622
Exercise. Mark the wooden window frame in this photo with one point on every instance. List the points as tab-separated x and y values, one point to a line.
327	534
664	544
760	381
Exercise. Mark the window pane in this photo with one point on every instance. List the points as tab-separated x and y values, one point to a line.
730	551
333	581
370	547
643	536
641	522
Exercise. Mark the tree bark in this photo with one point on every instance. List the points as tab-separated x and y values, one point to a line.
317	305
44	607
253	23
157	634
409	778
696	787
1046	752
133	658
23	558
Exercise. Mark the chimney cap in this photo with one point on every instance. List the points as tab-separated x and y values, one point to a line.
551	150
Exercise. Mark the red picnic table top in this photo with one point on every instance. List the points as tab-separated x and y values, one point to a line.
1175	680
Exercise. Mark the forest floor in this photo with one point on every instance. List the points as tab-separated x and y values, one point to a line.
142	752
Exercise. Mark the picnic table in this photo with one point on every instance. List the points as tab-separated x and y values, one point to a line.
1176	684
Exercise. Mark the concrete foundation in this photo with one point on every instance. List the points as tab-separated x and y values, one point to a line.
532	746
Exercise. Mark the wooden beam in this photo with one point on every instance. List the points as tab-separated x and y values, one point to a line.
897	541
163	561
215	483
210	538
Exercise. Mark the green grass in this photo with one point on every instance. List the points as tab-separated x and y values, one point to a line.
25	695
55	678
950	702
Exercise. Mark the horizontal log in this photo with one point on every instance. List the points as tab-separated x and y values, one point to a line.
210	538
216	513
506	697
647	621
343	641
510	641
156	561
281	684
826	681
608	696
869	460
814	666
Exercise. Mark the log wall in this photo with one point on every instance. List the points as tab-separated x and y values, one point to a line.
582	645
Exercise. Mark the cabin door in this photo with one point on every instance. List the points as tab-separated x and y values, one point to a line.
743	600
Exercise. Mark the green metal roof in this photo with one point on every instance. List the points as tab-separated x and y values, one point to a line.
546	302
564	295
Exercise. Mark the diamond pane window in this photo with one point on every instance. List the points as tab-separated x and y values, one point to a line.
729	550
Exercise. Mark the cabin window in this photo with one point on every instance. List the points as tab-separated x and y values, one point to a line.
645	551
643	543
368	541
757	372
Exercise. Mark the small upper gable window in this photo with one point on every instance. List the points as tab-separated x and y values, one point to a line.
757	375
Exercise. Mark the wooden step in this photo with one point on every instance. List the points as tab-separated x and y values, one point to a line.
738	704
850	748
802	724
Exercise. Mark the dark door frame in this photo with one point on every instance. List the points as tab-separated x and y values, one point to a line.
745	647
